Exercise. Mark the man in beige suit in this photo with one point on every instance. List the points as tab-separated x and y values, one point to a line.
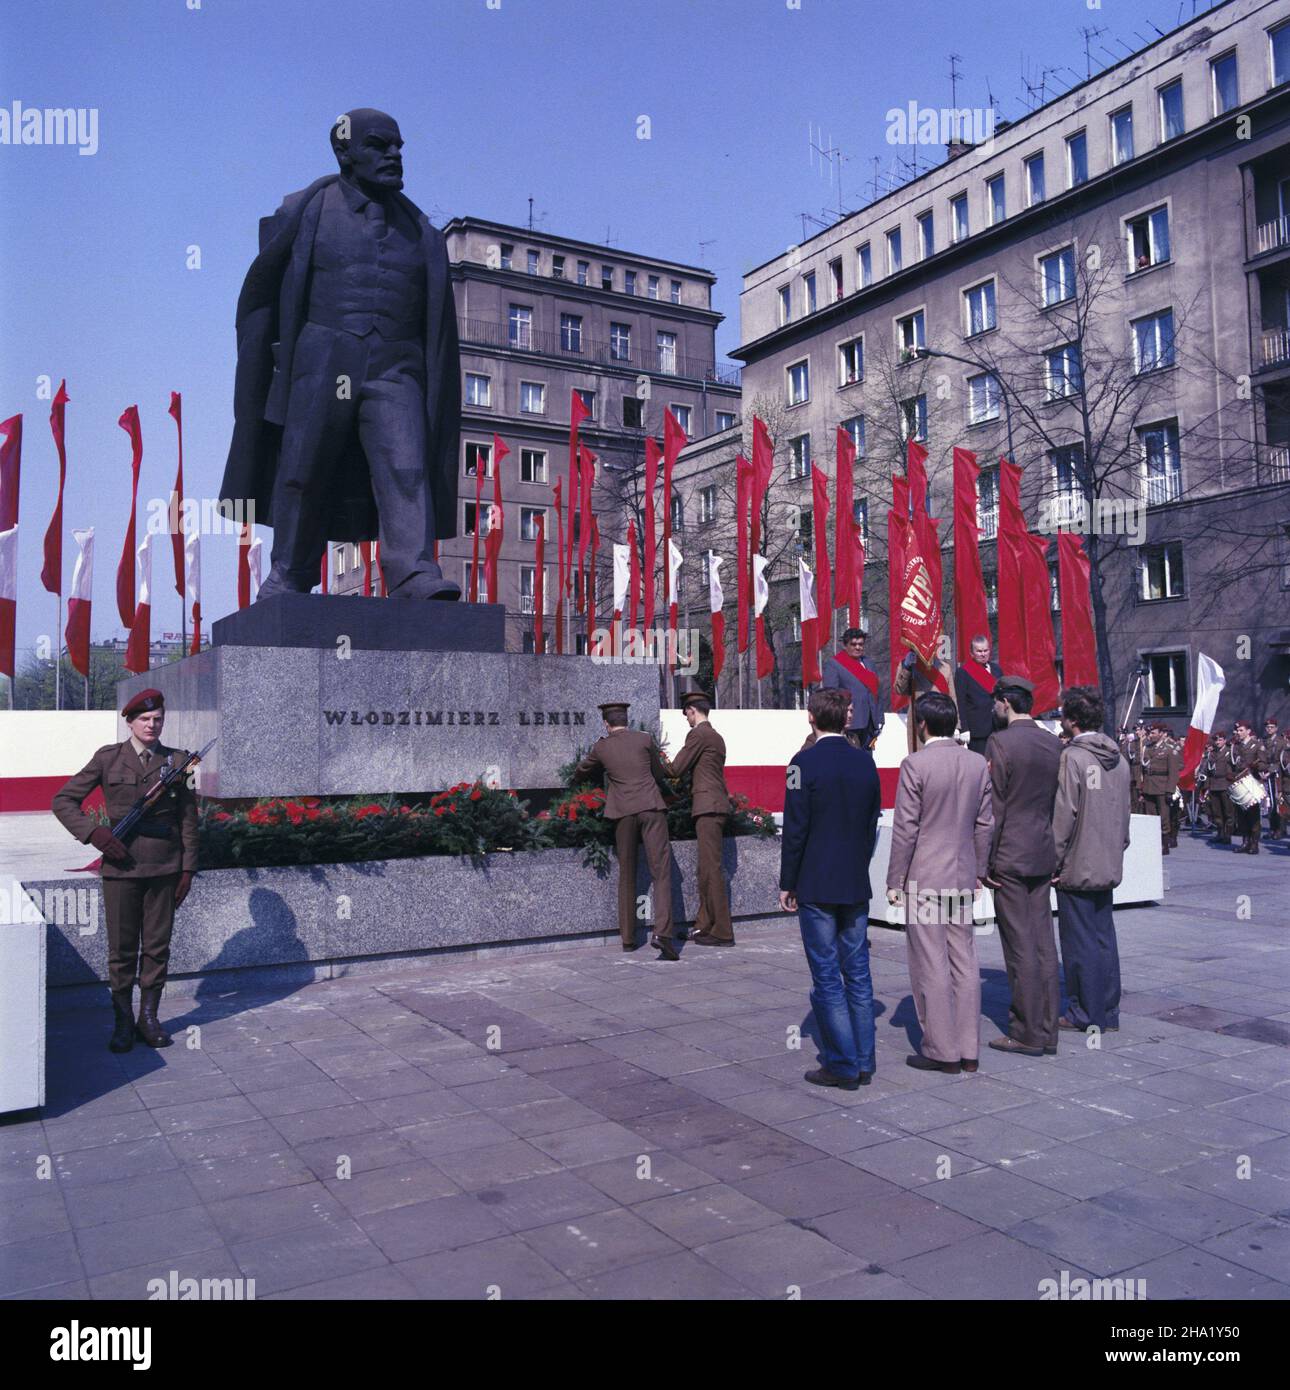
632	771
703	758
940	847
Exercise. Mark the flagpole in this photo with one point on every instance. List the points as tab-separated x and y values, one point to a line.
58	653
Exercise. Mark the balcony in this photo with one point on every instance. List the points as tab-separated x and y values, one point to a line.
1272	236
527	604
1274	347
1163	487
987	522
1274	466
495	334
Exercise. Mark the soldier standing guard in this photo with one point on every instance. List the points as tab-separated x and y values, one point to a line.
1277	746
703	757
1215	776
145	881
632	770
1248	756
1161	766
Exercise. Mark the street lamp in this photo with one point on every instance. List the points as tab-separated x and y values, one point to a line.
923	352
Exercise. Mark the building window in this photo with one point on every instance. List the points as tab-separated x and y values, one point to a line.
991	593
532	465
1223	83
340	561
799	456
1153	342
1167	681
785	304
1161	466
629	282
533	263
808	291
532	398
469	518
851	362
913	419
987	503
1054	587
557	267
959	217
979	305
996	199
570	332
1076	159
588	398
479	389
1122	135
1057	276
1162	572
1170	99
983	398
926	236
606	277
520	321
893	251
910	335
1148	239
725	420
805	528
651	287
708	505
835	278
620	342
683	415
507	256
860	515
1034	180
674	292
665	344
678	513
1279	53
855	428
633	413
1062	375
584	272
864	265
478	456
799	383
528	592
529	522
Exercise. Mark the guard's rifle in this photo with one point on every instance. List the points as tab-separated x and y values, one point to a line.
133	823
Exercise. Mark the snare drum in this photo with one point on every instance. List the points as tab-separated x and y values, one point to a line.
1247	791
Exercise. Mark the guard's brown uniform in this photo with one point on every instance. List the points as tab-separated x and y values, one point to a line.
139	896
1278	751
1161	765
1131	746
703	757
632	770
1215	776
1249	756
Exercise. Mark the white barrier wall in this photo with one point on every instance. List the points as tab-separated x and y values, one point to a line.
45	743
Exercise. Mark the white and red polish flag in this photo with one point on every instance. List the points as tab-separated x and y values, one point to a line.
622	588
137	649
1210	681
716	600
673	591
761	597
78	604
8	599
810	629
254	561
193	587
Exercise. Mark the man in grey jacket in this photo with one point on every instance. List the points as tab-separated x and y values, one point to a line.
1091	832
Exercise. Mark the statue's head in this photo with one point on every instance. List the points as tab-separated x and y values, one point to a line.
369	149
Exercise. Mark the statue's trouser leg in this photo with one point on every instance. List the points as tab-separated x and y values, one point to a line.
392	430
327	375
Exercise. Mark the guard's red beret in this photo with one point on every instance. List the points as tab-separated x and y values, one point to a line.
141	703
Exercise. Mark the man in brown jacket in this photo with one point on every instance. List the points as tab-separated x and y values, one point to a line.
1161	765
146	880
632	771
1023	762
703	758
1214	777
1248	756
940	848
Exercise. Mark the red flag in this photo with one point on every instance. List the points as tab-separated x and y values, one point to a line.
716	600
472	594
137	648
322	571
763	460
1079	645
633	576
586	476
653	455
578	412
1210	681
1013	650
176	412
897	542
244	567
971	616
8	601
365	547
1041	646
843	519
374	548
857	574
78	603
10	467
496	522
823	580
539	581
591	572
129	422
674	441
51	576
743	575
559	559
923	523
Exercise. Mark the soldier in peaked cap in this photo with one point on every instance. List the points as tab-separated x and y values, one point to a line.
145	881
632	770
703	759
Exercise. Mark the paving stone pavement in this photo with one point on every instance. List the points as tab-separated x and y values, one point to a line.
588	1124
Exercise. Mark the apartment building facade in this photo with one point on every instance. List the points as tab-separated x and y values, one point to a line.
539	317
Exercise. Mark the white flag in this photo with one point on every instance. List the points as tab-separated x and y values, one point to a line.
761	589
143	570
673	579
622	575
715	597
805	591
253	553
83	573
9	564
192	571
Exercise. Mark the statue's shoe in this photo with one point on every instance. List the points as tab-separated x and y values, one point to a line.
427	585
278	583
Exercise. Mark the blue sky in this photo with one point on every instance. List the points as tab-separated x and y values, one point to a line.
210	110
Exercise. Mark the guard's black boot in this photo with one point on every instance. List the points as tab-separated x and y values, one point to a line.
122	1039
148	1028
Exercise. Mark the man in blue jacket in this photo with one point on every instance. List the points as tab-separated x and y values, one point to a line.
831	807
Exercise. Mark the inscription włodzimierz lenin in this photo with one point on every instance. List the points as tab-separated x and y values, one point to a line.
454	718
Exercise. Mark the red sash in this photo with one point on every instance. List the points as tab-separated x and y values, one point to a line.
862	673
983	676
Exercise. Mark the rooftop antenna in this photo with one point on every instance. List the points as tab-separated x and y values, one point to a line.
1090	32
873	182
530	214
703	248
828	154
955	60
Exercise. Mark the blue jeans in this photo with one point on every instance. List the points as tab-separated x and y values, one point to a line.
836	940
